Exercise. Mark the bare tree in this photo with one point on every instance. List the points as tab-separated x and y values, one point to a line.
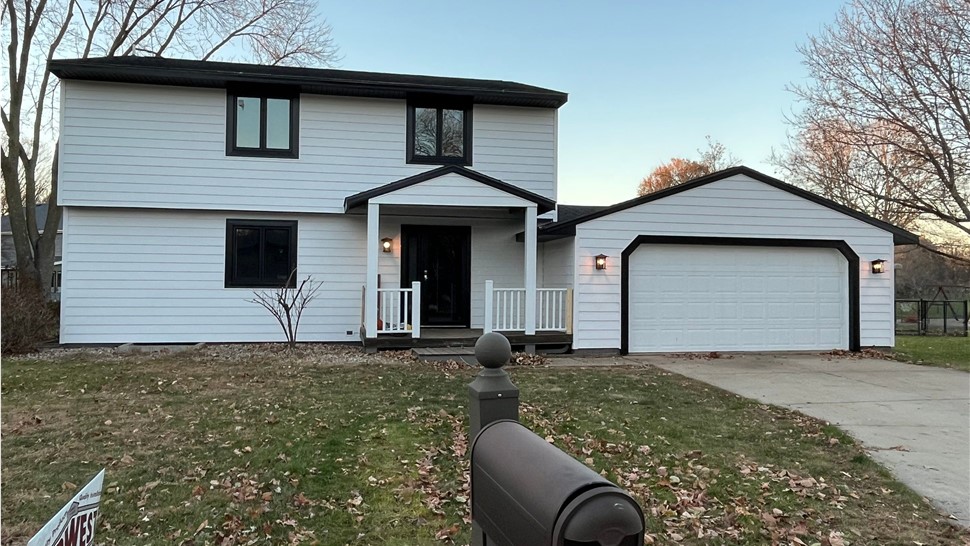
817	160
265	31
287	304
885	124
920	273
679	170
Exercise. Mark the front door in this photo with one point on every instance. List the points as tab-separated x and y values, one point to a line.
440	258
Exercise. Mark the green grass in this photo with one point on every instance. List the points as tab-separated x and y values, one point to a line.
947	352
228	445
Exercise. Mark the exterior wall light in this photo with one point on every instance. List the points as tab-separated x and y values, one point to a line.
878	266
601	261
386	244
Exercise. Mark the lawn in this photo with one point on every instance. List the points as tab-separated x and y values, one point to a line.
948	352
240	445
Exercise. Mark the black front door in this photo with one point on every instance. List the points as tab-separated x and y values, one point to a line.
440	258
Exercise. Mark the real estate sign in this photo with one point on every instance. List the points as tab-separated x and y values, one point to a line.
75	523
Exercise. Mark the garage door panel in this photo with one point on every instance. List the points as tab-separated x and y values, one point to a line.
725	311
737	298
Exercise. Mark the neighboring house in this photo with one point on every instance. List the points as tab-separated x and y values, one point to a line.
8	261
422	204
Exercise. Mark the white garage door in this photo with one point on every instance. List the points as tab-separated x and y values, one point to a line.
733	298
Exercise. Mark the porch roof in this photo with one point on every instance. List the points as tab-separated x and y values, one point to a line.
483	190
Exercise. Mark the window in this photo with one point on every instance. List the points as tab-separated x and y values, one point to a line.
439	133
260	253
263	125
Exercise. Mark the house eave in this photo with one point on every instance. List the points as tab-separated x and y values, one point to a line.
210	74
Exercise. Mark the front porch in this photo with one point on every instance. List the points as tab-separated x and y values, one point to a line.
459	341
443	264
399	319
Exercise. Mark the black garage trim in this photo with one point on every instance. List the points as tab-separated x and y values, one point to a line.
841	246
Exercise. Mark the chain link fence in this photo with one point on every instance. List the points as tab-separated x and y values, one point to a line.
932	318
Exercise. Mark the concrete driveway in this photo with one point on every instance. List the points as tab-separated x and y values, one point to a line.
914	420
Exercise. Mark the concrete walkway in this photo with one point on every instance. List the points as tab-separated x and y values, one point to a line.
914	420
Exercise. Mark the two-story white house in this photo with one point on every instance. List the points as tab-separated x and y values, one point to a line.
422	204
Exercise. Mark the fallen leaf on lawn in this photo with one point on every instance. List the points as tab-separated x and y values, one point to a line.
447	533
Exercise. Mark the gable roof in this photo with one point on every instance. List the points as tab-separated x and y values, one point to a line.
568	227
323	81
544	204
565	213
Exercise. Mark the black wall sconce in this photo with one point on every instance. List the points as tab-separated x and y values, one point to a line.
601	261
878	266
386	244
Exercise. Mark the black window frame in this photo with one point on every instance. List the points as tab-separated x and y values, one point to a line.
231	226
440	104
293	152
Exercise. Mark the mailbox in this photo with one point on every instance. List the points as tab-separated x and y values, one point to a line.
527	492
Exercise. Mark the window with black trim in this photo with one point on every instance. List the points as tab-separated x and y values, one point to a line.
263	125
439	133
260	253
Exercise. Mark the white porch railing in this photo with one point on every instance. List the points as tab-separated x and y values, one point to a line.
392	310
505	309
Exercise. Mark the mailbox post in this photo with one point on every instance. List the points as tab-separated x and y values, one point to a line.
525	491
492	394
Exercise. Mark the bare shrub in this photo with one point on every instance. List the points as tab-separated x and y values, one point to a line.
287	304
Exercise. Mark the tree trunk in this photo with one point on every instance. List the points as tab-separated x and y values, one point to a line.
46	247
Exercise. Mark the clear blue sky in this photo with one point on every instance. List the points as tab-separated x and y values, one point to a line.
646	80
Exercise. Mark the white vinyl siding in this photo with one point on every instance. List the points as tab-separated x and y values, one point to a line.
733	207
557	262
159	276
165	147
734	298
516	145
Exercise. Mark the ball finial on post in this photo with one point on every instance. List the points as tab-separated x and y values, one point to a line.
493	350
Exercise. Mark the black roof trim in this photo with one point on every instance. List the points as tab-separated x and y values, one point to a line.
544	204
323	81
568	228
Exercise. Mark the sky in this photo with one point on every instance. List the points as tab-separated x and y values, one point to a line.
647	80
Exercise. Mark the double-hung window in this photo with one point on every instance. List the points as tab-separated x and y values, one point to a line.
439	133
260	253
263	125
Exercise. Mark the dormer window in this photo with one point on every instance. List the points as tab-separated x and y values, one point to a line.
439	133
263	125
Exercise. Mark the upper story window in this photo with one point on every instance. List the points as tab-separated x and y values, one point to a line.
263	125
439	133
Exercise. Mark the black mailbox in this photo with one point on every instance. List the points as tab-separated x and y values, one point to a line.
527	492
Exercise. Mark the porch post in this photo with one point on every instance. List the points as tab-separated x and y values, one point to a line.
489	309
416	309
530	270
373	249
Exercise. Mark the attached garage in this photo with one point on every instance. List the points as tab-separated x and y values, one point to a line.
733	261
703	297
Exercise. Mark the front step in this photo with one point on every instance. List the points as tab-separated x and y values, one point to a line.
459	354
